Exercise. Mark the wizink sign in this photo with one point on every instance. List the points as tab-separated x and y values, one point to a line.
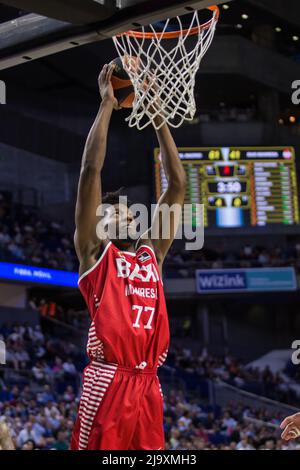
245	280
2	92
2	353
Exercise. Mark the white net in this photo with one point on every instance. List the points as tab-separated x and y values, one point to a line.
162	67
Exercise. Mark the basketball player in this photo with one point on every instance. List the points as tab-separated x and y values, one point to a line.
291	427
121	406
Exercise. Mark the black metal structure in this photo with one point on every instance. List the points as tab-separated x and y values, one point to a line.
71	11
33	36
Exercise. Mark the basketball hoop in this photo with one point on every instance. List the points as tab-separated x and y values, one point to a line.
164	74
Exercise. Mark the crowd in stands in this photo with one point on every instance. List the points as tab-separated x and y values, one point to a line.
51	309
227	114
27	238
33	355
183	263
46	422
194	367
40	389
190	425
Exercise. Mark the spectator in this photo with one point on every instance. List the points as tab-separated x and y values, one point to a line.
244	444
69	368
61	441
26	434
29	445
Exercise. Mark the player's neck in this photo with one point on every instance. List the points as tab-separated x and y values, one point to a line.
124	246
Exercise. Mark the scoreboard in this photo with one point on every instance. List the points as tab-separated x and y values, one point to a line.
238	186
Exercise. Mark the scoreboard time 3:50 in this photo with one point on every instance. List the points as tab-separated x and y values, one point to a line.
239	186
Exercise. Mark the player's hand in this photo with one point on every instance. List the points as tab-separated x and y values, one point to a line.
151	87
155	107
291	427
105	86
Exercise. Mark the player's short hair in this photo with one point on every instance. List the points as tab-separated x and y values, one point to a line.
112	197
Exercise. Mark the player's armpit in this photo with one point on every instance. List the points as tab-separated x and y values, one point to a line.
166	219
167	215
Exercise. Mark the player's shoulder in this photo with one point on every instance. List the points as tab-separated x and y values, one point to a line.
148	246
93	260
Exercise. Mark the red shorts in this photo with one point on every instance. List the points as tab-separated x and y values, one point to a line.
120	409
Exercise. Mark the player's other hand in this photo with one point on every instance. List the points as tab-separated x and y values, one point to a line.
105	86
291	427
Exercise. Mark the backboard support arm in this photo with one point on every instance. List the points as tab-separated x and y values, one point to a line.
32	36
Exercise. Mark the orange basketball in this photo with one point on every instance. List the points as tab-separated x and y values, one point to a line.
122	85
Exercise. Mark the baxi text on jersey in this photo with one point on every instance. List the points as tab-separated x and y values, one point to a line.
133	271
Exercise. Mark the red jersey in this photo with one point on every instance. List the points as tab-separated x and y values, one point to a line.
125	297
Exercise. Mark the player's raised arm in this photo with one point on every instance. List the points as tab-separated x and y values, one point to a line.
89	187
168	211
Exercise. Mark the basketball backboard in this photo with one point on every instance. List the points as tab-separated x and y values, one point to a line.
33	36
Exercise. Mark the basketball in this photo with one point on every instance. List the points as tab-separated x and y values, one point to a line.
122	85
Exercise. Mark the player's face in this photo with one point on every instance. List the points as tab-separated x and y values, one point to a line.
120	224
